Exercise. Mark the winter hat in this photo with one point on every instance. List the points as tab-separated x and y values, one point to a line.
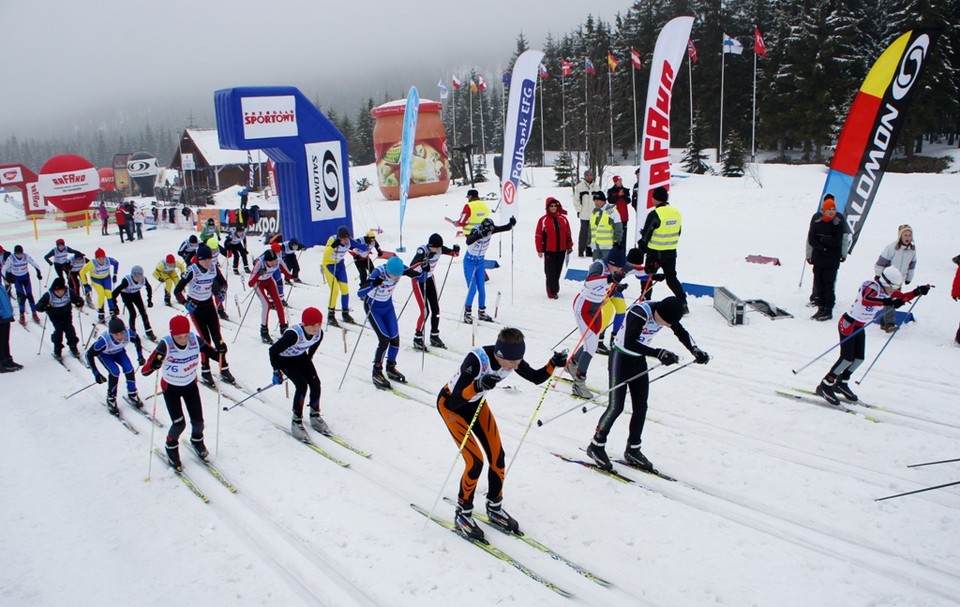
99	253
179	325
269	255
551	200
635	257
436	240
473	194
116	325
599	196
204	252
902	229
211	222
828	203
193	239
18	249
76	255
275	247
311	316
670	309
343	232
617	179
394	266
58	284
170	259
616	257
61	241
508	351
660	194
891	277
294	243
213	243
136	271
371	235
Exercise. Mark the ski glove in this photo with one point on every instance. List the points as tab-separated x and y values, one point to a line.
559	359
190	306
99	378
149	303
156	363
456	250
513	221
893	302
622	287
667	357
39	275
658	277
487	382
700	356
222	347
140	360
616	277
922	290
277	377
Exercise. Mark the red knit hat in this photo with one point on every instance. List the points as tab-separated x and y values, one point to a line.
275	247
99	253
179	325
170	259
311	316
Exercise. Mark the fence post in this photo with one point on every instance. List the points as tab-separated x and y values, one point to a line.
36	233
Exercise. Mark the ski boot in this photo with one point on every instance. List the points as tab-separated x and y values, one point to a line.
466	526
378	379
635	457
395	375
283	327
149	334
23	319
134	399
200	448
222	313
331	319
436	342
482	315
114	312
598	454
572	368
843	388
75	351
100	317
602	348
500	518
173	456
297	429
88	299
467	317
207	378
347	318
36	318
246	269
317	423
58	355
296	279
826	390
227	376
166	300
236	271
112	405
580	387
418	343
265	335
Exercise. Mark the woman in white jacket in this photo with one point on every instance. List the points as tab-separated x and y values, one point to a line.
902	255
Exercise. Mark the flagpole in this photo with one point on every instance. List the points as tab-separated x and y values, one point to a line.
723	56
454	116
471	116
690	77
633	89
483	135
563	106
543	149
610	103
586	115
753	134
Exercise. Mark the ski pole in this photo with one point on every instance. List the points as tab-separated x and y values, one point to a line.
44	331
837	345
880	499
463	444
240	326
445	275
889	339
671	372
564	338
80	325
153	427
623	383
943	461
536	410
496	307
350	360
406	302
219	401
258	391
803	270
72	394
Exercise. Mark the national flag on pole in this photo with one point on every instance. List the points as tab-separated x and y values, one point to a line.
731	46
566	68
691	51
588	65
481	84
544	74
456	83
444	91
635	59
758	46
473	87
612	62
506	77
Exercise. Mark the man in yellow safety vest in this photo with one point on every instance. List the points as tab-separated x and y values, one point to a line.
660	236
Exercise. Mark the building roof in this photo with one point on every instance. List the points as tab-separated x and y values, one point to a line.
208	144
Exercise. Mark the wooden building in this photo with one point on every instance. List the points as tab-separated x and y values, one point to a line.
214	167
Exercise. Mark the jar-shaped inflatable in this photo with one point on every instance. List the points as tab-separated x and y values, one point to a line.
431	173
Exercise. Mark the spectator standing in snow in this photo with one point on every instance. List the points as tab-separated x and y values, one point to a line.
619	197
583	203
138	219
955	292
827	244
554	242
104	218
902	255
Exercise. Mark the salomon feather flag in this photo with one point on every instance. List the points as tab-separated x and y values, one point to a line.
518	126
870	133
410	113
655	149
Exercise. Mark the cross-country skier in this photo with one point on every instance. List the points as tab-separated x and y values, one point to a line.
16	272
201	281
111	349
378	304
59	257
188	248
335	272
176	357
129	292
236	244
100	273
168	273
292	355
56	303
873	297
288	255
262	279
425	289
364	261
628	366
473	267
76	264
463	400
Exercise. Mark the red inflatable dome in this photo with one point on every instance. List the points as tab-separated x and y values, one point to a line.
69	182
107	183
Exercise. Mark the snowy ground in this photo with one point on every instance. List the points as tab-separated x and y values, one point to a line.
775	504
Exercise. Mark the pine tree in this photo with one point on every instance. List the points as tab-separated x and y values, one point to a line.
564	172
362	148
733	157
694	158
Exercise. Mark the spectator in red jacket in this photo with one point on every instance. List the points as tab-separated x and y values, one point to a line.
554	243
121	218
619	196
955	292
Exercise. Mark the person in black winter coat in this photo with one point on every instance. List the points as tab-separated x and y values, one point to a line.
56	303
827	244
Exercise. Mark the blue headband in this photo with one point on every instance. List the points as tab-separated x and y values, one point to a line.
509	351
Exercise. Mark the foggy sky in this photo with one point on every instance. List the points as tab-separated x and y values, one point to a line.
73	64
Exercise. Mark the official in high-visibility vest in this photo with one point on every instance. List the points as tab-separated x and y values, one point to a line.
659	238
474	212
605	228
